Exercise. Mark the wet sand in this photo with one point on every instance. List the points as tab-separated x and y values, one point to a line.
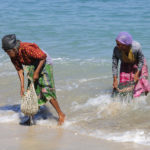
17	137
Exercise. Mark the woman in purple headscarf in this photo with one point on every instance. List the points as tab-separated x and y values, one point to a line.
133	64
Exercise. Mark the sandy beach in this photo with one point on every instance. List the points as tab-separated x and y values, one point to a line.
37	138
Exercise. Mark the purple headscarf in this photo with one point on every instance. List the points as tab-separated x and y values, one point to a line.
124	38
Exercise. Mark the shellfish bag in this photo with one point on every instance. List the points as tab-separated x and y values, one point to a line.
29	102
124	86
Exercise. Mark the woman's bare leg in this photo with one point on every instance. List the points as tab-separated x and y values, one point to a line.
60	113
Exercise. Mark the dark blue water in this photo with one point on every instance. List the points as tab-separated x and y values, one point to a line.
76	28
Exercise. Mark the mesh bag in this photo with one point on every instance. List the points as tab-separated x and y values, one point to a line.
29	102
124	89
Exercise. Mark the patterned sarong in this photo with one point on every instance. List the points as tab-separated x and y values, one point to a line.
127	72
44	86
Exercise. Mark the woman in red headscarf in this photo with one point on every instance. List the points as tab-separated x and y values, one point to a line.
39	67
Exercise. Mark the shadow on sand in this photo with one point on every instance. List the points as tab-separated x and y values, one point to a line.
43	114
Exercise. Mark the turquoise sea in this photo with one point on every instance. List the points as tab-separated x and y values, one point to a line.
79	35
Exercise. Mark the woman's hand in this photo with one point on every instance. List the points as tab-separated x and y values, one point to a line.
136	76
22	91
37	71
115	83
35	76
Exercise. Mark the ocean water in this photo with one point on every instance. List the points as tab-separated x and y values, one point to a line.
80	36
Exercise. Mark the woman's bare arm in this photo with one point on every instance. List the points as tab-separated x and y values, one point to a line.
21	77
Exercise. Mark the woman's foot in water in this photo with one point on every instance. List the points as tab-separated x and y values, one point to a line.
61	118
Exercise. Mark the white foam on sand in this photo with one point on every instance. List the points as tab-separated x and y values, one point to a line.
101	99
102	103
106	99
136	136
105	106
8	116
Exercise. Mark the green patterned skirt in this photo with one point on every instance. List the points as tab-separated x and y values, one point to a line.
44	86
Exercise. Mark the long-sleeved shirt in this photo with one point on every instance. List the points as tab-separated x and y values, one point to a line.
28	54
138	55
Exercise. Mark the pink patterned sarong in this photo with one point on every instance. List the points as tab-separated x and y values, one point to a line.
127	72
